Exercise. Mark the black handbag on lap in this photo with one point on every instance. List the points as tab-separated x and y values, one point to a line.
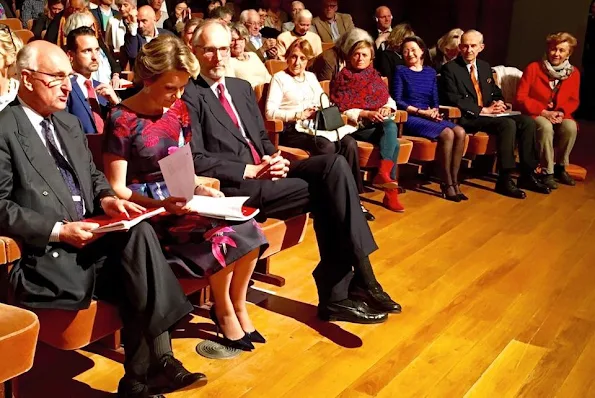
328	118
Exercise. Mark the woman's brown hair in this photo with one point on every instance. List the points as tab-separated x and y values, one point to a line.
561	37
163	54
302	45
397	35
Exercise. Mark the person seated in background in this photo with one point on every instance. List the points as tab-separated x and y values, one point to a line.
142	30
467	83
296	7
161	14
51	9
89	99
302	31
189	29
360	93
64	265
144	129
210	5
386	61
229	141
104	14
224	13
328	64
244	64
10	45
276	17
31	9
380	33
415	89
109	70
330	25
294	96
180	14
446	49
264	48
549	92
117	27
8	9
55	31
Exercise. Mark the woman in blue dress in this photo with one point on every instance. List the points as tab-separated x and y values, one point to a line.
415	90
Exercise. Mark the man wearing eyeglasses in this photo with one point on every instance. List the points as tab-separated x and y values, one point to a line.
48	186
142	29
265	48
330	25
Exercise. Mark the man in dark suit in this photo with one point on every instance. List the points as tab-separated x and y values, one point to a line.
141	30
89	100
48	185
384	20
467	83
103	13
229	141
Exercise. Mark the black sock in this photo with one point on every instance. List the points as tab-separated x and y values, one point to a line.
162	346
363	275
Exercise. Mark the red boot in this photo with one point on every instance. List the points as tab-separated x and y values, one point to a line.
382	180
391	201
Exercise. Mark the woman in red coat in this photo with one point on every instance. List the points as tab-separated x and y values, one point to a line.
549	91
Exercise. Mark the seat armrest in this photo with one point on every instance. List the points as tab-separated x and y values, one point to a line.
450	112
401	116
10	251
274	127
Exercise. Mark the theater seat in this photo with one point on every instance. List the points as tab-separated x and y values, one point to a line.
579	173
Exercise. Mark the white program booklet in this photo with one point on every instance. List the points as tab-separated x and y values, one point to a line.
509	113
231	208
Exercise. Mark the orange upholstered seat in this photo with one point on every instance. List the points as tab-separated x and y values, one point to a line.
577	172
18	338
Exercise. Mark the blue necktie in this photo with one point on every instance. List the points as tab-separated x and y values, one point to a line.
66	170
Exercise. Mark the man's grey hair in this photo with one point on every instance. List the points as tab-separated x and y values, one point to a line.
26	59
474	32
348	39
299	2
201	28
304	14
246	14
131	2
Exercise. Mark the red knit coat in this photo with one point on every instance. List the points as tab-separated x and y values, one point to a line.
534	92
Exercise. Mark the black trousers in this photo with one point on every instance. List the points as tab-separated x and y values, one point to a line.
133	273
508	130
323	185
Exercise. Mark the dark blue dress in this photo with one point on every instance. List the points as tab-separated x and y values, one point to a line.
420	90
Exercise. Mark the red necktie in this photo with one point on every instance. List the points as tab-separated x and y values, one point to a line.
95	109
227	106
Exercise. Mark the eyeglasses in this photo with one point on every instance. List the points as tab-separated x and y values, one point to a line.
210	51
6	28
58	78
237	39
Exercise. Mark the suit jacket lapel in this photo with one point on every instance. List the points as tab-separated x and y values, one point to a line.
42	161
241	108
467	78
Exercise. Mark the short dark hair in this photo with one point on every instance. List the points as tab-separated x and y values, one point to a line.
78	32
417	40
220	12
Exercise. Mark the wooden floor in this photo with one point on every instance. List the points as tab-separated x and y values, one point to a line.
498	297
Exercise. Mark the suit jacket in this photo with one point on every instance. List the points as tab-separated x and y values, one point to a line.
386	63
133	44
51	33
39	25
34	196
99	17
326	65
218	147
80	107
250	47
323	29
456	87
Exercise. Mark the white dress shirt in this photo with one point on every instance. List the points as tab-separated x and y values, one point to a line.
80	80
256	41
474	63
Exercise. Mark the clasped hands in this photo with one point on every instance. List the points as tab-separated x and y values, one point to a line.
273	167
431	113
376	116
555	117
495	108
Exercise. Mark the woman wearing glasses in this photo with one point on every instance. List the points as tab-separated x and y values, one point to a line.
245	64
147	127
10	45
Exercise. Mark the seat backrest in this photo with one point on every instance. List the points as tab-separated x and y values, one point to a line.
261	91
275	65
30	24
24	34
326	86
13	23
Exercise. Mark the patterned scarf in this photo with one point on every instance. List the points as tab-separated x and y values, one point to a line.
560	72
359	90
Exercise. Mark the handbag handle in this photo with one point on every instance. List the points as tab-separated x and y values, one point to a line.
317	119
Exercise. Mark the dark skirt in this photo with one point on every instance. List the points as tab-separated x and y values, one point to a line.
422	127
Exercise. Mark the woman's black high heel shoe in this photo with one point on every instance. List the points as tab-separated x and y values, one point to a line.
243	343
453	198
256	337
461	195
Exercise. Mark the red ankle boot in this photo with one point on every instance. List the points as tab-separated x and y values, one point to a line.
391	201
382	180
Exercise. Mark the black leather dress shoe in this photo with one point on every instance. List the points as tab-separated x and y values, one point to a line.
376	298
507	187
562	175
531	183
129	388
369	216
350	311
169	375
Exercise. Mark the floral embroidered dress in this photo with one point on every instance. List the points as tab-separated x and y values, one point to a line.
200	245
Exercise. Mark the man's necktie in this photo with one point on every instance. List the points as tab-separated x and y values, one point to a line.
227	106
476	86
64	167
95	108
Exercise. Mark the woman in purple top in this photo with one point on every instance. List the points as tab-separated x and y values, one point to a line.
415	90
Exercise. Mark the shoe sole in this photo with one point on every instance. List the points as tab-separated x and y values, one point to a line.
334	318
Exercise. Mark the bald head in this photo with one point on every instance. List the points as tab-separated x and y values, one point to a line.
211	43
146	21
44	71
384	18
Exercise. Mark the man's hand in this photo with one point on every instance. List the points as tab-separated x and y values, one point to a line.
495	108
270	168
272	53
132	15
108	92
119	207
78	233
381	38
203	190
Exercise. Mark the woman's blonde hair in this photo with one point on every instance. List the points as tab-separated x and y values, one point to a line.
450	40
163	54
78	19
7	48
397	35
361	44
241	30
302	45
561	37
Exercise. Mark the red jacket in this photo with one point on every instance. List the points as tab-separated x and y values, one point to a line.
534	92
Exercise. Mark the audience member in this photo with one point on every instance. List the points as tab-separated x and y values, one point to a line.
161	15
117	27
64	265
10	45
446	49
296	7
224	13
387	61
246	65
31	9
189	29
51	9
415	89
139	134
211	5
89	99
276	17
330	25
380	33
331	61
55	31
361	94
142	29
180	14
8	10
229	141
264	48
104	13
467	83
262	14
302	31
294	97
549	92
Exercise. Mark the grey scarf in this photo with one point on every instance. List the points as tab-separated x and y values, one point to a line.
560	72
